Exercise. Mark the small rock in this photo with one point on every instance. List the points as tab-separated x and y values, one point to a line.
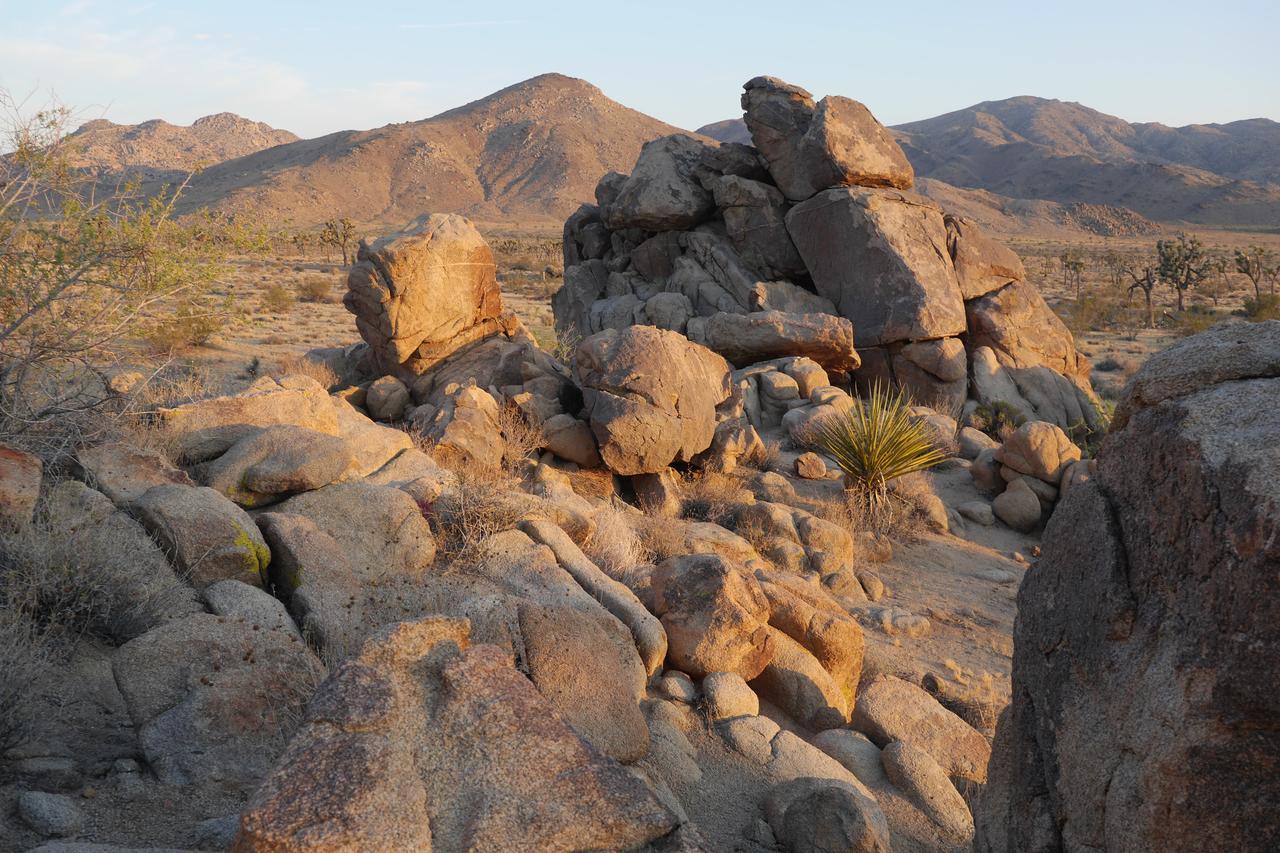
773	487
51	815
676	685
979	511
872	585
895	621
217	832
728	695
973	441
809	466
855	751
873	547
1018	506
913	771
387	398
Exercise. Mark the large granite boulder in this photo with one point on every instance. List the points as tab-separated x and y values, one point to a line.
650	396
207	537
423	293
1146	647
422	742
982	264
811	147
881	257
661	193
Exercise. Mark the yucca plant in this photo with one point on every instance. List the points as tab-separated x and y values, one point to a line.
876	441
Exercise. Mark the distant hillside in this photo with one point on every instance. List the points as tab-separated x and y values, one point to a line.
532	151
156	146
1026	149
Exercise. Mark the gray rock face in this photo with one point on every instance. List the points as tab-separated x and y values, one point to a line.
755	217
650	396
207	537
813	815
210	697
749	338
50	814
661	193
915	773
1124	734
272	462
123	473
881	257
811	147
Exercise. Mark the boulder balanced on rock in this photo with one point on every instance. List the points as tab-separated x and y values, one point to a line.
811	243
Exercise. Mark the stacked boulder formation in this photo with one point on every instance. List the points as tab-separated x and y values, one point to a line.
809	242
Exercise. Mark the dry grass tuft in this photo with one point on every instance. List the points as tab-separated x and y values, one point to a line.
615	545
479	506
300	365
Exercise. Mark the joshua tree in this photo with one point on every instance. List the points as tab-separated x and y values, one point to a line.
1145	281
1183	263
1072	270
1258	265
339	233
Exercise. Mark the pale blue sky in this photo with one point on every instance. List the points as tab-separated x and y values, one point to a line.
315	67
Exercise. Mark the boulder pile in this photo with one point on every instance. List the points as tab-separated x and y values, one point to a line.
811	242
1144	714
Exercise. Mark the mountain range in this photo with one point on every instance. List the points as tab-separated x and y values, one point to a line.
533	151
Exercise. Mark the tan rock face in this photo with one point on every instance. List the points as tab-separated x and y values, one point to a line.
982	264
890	709
1039	449
422	293
881	257
715	614
661	193
811	147
650	396
20	476
746	339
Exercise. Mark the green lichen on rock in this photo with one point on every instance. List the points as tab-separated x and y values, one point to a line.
257	555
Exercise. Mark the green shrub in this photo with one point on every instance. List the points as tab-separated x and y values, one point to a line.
1265	307
997	419
875	442
277	299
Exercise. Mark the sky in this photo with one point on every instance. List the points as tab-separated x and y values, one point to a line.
316	67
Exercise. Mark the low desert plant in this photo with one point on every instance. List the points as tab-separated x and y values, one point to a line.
997	419
480	505
277	299
876	441
301	365
315	288
1265	307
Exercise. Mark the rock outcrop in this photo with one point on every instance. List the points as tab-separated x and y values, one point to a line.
425	742
812	243
1144	715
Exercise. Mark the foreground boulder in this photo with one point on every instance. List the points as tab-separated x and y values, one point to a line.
423	743
1124	733
212	696
651	396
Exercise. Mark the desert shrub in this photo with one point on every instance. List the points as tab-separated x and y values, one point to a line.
1265	307
997	419
277	299
521	440
85	274
315	288
480	505
876	441
714	497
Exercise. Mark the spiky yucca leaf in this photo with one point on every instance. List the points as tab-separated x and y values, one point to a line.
876	440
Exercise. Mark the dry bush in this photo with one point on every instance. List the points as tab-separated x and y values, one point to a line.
479	506
277	299
718	498
315	288
615	546
661	537
767	457
521	439
893	516
300	365
27	654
